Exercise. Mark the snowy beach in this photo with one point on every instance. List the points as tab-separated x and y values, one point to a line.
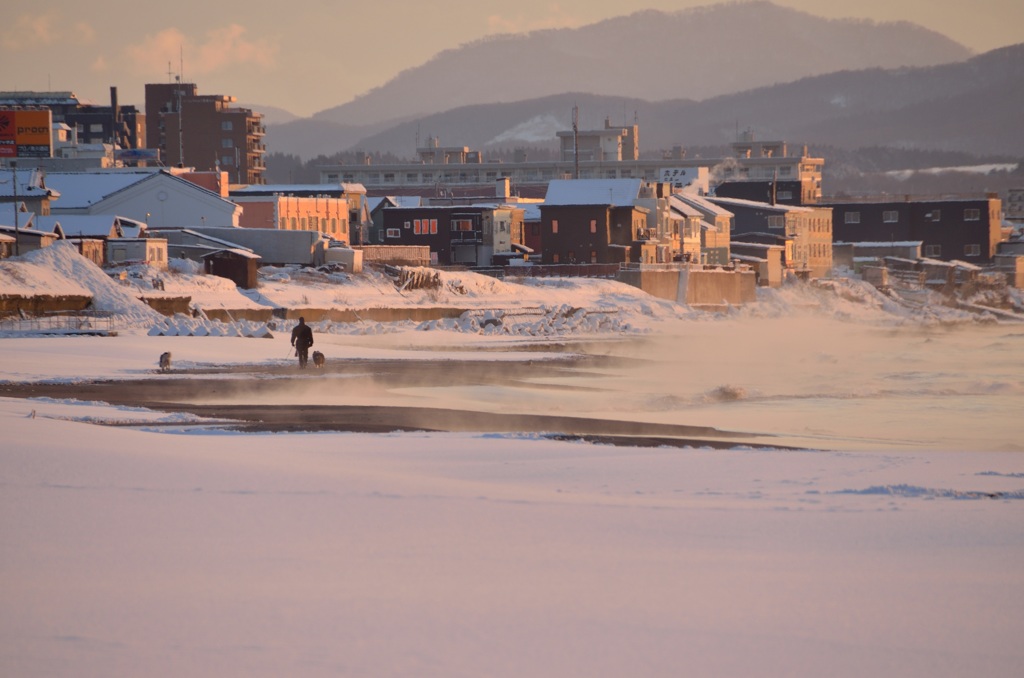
139	541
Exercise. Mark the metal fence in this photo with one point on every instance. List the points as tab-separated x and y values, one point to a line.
85	322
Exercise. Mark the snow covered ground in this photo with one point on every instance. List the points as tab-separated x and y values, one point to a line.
890	546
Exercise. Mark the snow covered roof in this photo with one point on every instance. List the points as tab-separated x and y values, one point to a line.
82	189
246	254
81	225
887	243
298	189
617	192
739	202
702	203
7	211
31	184
531	211
756	246
396	200
682	207
199	235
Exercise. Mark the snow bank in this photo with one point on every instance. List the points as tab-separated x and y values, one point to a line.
60	267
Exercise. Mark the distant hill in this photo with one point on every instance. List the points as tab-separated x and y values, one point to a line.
651	55
272	115
973	106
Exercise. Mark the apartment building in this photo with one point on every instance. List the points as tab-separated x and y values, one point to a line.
967	229
206	132
469	235
805	231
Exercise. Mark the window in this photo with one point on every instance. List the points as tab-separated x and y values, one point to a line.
461	225
294	224
227	161
226	125
933	250
416	226
776	221
283	224
593	256
934	215
593	225
411	177
784	195
394	233
389	177
890	216
227	143
554	225
851	218
96	127
433	226
972	250
972	215
408	225
554	258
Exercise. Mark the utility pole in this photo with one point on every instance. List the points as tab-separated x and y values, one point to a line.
17	233
576	140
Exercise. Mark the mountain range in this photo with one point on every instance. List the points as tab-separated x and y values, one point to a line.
690	78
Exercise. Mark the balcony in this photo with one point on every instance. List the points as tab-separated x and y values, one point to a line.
467	237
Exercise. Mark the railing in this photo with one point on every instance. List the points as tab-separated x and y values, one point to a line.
86	322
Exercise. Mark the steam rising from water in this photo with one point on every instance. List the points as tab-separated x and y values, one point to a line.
811	380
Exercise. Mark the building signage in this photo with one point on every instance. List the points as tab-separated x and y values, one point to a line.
26	133
680	177
135	154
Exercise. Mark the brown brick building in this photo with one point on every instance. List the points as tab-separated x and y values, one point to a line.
205	132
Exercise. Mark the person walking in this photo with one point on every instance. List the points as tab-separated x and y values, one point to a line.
302	339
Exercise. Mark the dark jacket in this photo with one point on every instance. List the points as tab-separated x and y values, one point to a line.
302	336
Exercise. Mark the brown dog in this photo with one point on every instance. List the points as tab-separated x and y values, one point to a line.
318	359
165	361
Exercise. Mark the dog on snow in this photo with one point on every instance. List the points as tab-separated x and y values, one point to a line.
318	359
165	361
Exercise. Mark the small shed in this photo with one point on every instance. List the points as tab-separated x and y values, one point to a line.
237	265
149	251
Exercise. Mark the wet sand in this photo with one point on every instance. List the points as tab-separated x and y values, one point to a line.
187	390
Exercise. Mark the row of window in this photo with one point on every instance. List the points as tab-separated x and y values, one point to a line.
311	223
893	216
935	251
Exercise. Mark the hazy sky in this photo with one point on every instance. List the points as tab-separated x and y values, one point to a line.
309	55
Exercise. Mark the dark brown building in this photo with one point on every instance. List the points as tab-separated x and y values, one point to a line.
965	229
591	234
469	235
205	132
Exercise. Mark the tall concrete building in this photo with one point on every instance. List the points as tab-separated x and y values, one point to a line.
205	132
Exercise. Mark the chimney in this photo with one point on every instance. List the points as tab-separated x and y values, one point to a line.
115	117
